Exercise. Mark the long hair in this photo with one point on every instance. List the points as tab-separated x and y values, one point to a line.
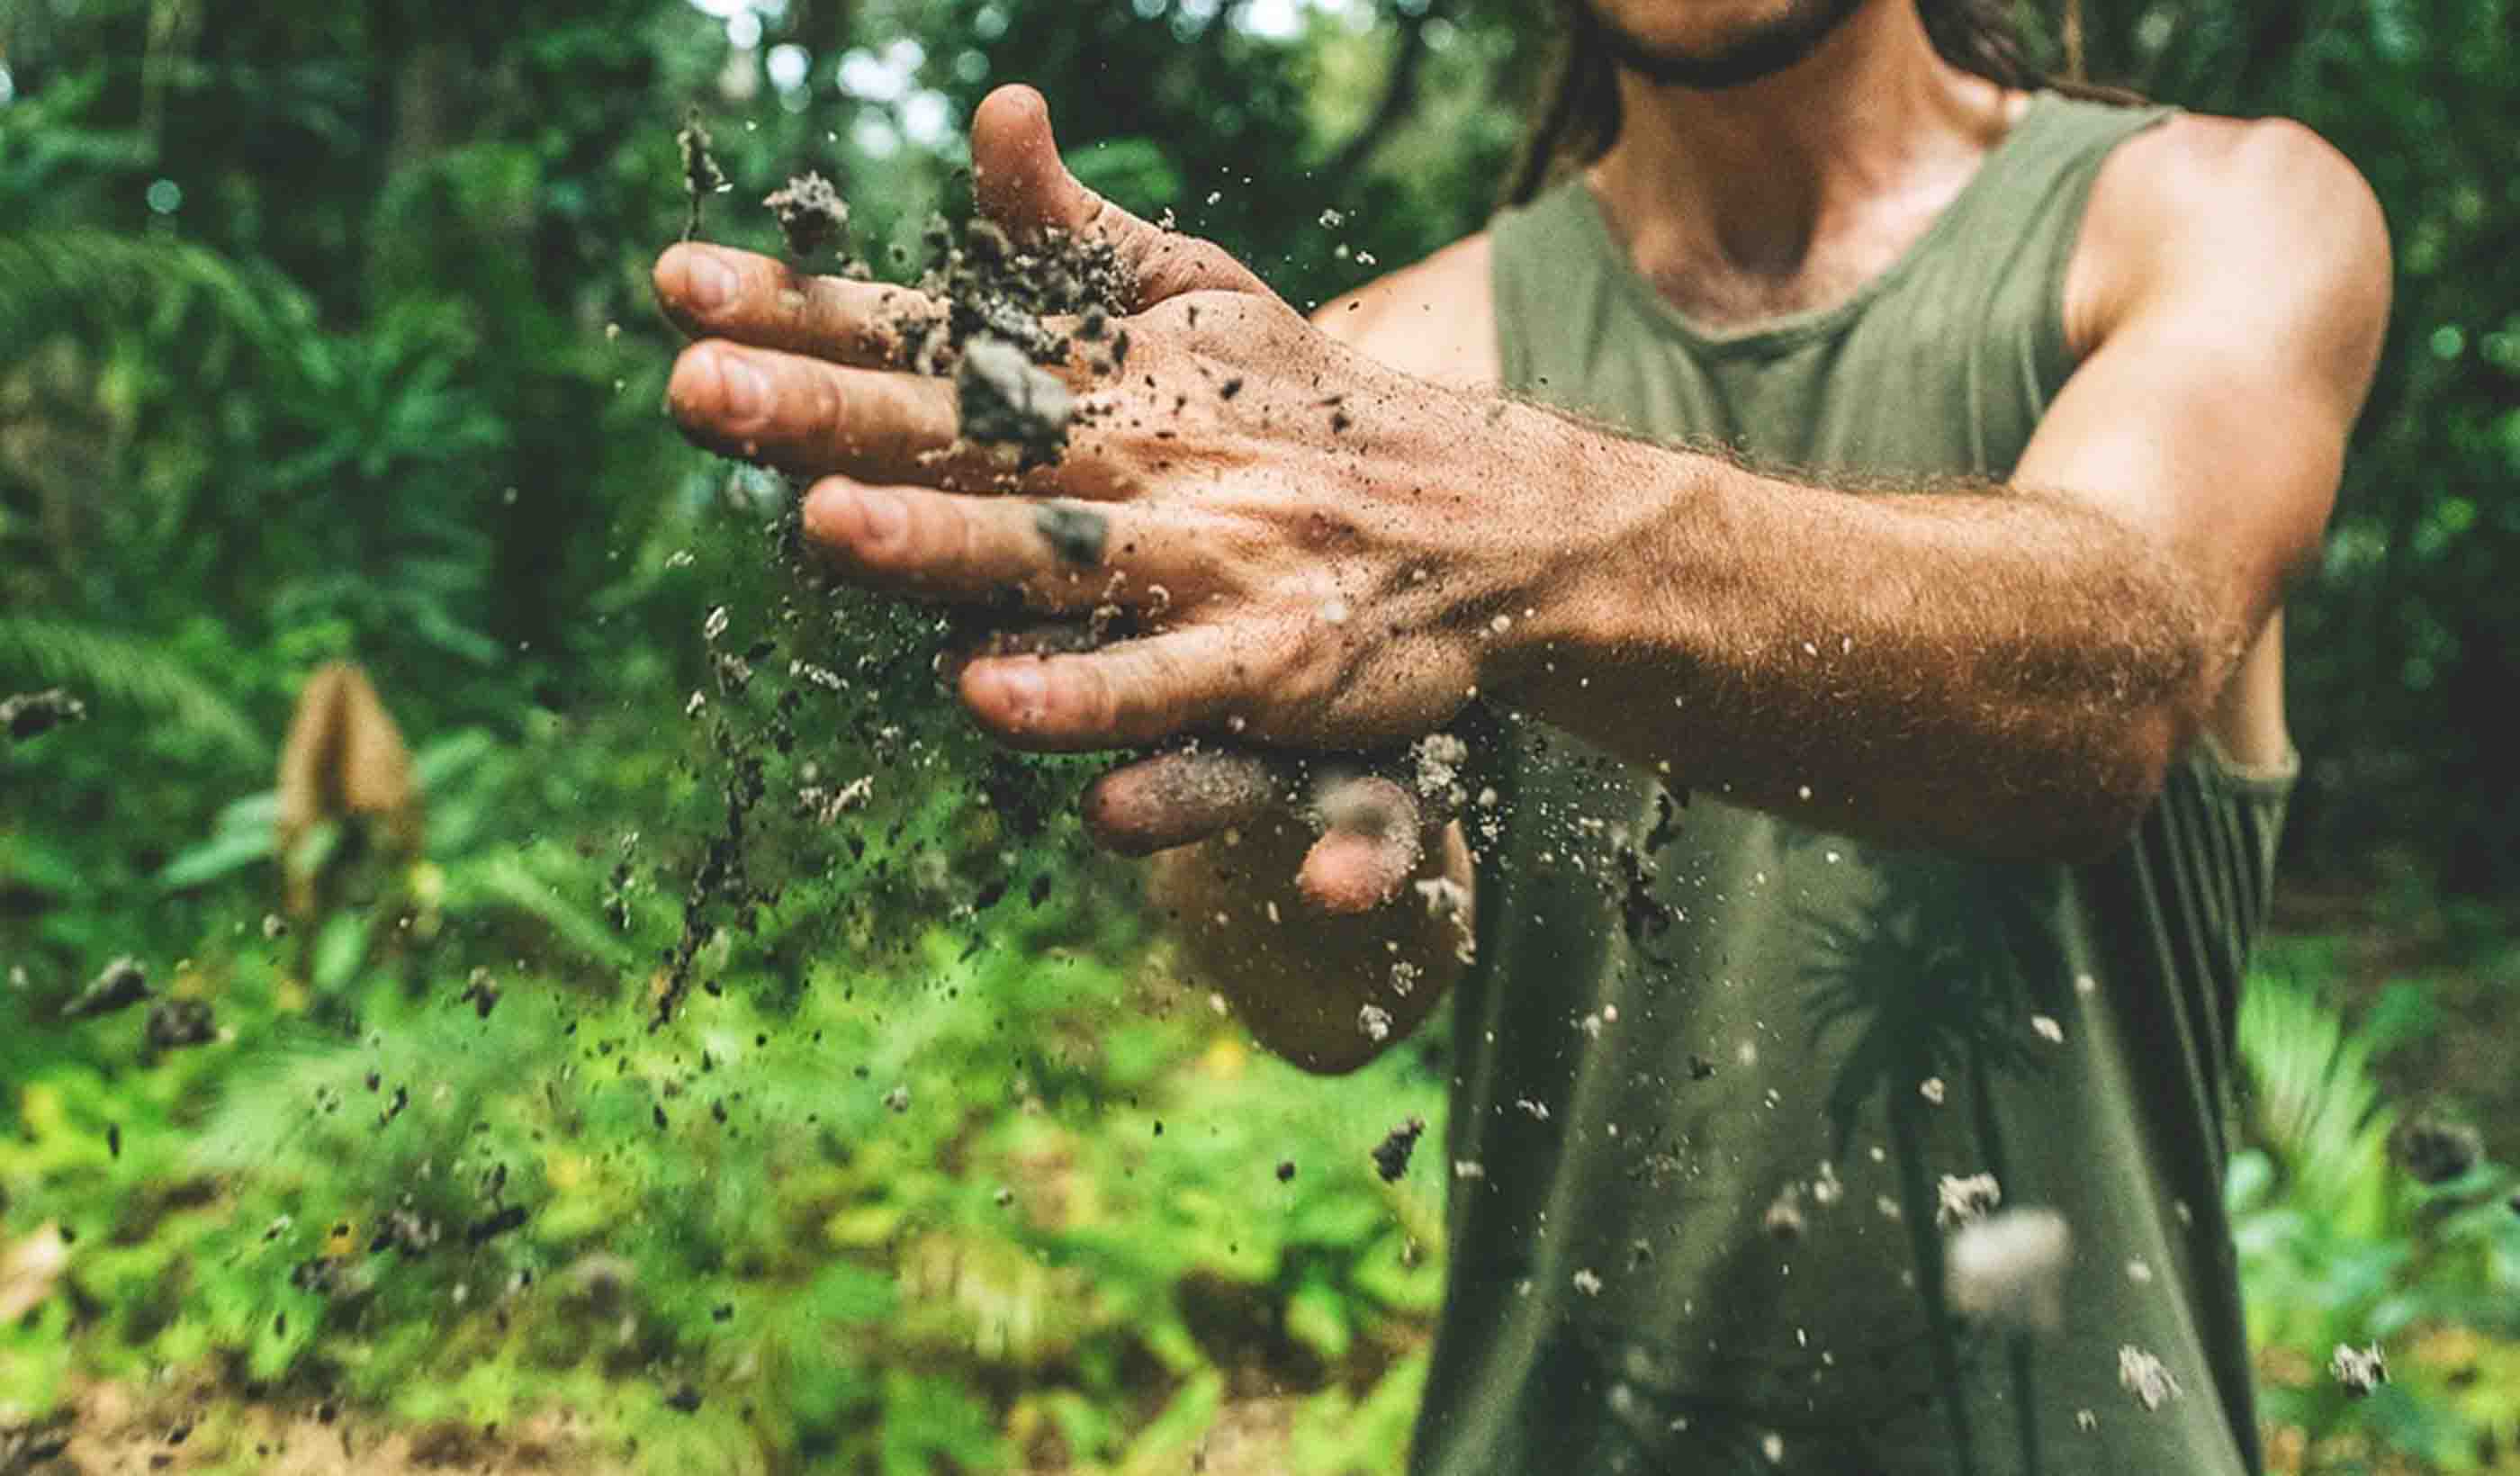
1577	119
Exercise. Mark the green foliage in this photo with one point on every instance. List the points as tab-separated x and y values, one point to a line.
2340	1246
325	332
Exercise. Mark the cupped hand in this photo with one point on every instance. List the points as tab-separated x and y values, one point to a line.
1285	527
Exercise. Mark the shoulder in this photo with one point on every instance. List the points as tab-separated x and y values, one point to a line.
2262	218
1435	320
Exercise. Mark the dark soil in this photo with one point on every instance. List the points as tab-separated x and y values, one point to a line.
811	213
1391	1155
32	714
123	984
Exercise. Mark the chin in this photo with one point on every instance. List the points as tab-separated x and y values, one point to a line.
1694	27
1715	43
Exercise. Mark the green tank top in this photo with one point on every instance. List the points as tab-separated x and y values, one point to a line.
1726	1086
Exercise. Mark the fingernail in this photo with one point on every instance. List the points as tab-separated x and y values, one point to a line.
1024	690
710	282
886	521
747	393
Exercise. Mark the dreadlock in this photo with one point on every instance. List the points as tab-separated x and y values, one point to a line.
1578	116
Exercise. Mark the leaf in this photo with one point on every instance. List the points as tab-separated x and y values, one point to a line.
340	948
116	671
1316	1316
222	855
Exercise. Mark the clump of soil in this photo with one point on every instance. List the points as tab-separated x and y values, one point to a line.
2434	1149
32	714
2358	1371
122	984
1391	1155
175	1023
811	213
701	177
1007	400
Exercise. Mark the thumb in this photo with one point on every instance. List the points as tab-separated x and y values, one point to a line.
1019	181
1370	844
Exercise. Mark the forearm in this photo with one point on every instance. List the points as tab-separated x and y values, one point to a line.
1303	980
1976	668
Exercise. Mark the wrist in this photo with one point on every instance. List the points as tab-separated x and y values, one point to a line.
1594	561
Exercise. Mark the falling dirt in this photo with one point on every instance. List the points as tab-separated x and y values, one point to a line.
120	985
32	714
1391	1155
811	215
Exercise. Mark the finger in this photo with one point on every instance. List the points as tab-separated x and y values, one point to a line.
807	417
966	547
1181	798
718	292
1127	695
1369	848
1019	182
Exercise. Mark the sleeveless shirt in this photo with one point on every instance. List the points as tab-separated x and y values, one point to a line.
1728	1088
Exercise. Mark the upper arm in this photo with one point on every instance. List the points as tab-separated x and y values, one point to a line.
2232	285
1435	320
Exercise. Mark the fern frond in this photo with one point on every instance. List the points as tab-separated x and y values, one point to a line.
2316	1103
67	278
113	671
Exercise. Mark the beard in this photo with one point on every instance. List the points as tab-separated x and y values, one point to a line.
1760	52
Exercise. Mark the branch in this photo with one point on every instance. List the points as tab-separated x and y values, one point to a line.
1398	94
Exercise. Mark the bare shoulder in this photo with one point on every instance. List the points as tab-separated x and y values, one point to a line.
2262	216
1435	320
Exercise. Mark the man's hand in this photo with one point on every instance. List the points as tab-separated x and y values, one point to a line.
1257	496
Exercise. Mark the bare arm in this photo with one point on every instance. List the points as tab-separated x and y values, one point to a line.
1334	553
2004	670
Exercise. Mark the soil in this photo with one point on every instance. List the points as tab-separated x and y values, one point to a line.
811	213
701	177
1007	400
32	714
1391	1155
120	985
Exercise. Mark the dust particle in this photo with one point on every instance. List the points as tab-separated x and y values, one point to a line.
1391	1155
123	984
1784	1218
1957	1201
174	1025
2359	1371
2147	1378
2434	1150
2009	1268
32	714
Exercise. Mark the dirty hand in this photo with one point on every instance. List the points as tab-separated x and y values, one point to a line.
1285	526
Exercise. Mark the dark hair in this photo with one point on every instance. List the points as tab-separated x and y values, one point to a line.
1577	117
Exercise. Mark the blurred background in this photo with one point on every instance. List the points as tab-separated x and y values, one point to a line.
403	720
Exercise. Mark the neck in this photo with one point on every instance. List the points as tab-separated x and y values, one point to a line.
1750	177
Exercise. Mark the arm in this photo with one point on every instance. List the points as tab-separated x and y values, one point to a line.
1338	554
2004	670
